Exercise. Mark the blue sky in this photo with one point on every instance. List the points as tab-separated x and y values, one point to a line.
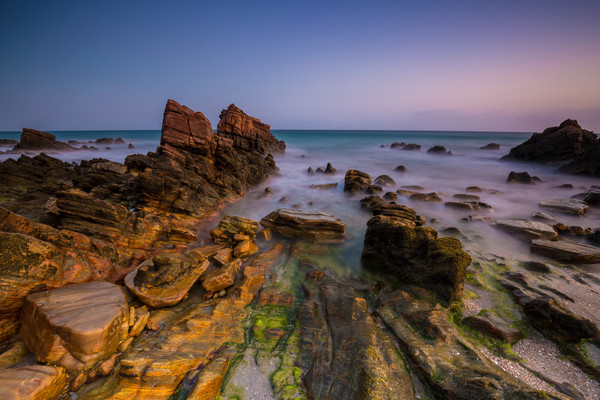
472	65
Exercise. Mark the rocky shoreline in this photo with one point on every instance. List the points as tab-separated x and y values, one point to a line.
110	291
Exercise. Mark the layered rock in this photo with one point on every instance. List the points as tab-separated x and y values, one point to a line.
37	140
314	226
343	352
568	206
529	229
165	279
247	133
569	251
75	326
35	382
356	181
414	254
568	145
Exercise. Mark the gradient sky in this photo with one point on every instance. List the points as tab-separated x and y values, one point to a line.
430	65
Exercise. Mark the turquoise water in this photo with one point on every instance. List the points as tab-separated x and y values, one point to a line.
445	175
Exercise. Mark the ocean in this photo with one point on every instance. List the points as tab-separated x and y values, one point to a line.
446	175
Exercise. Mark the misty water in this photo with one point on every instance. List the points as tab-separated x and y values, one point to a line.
447	175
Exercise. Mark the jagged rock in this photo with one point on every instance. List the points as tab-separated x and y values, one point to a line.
325	186
210	379
246	132
427	197
222	278
8	142
439	150
412	147
493	325
130	146
314	226
165	279
397	145
491	146
76	326
385	181
232	225
528	229
329	169
365	364
245	249
109	166
37	140
415	255
310	171
569	206
567	251
223	256
566	144
356	181
34	382
521	177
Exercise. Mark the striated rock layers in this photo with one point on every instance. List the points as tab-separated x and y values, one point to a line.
37	140
568	145
413	254
194	171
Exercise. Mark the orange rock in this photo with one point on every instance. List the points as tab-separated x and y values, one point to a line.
36	382
210	380
222	278
245	249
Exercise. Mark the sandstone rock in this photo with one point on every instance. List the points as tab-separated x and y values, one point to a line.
362	352
414	187
223	256
109	166
245	249
427	197
246	132
540	216
466	197
314	226
165	279
529	229
231	225
274	295
569	206
377	206
491	146
35	382
208	385
415	255
356	181
37	140
391	196
76	326
222	278
325	186
567	251
473	189
385	181
493	325
468	205
374	189
521	177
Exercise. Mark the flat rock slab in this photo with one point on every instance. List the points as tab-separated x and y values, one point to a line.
569	206
75	326
567	251
315	226
35	382
529	229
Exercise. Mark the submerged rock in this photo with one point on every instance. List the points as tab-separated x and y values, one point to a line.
491	146
439	150
314	226
521	177
76	326
427	197
412	147
569	206
356	181
324	186
329	169
400	168
384	180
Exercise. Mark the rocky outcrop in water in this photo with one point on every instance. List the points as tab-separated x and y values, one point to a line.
568	145
313	226
356	181
37	140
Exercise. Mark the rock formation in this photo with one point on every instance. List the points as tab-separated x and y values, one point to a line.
37	140
568	145
356	181
314	226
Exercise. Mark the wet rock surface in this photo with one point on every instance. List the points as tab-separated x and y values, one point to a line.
567	251
528	229
36	382
569	206
356	181
313	226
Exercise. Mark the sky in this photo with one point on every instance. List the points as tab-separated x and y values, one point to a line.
374	64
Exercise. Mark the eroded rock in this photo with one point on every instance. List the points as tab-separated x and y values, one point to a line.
314	226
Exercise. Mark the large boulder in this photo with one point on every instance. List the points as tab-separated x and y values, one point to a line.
248	133
77	326
314	226
37	140
35	382
415	255
528	229
568	145
165	279
356	181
